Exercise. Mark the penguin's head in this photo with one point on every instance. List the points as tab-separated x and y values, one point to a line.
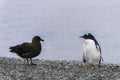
88	36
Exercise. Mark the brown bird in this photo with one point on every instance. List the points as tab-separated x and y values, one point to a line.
28	50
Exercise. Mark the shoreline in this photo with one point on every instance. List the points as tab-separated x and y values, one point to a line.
17	69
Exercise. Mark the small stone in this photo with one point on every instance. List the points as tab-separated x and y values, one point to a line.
14	69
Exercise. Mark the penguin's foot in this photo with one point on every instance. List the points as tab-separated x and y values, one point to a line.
94	65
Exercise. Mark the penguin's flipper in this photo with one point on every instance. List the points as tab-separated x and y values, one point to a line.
84	60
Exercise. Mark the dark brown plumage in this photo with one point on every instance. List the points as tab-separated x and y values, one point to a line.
28	50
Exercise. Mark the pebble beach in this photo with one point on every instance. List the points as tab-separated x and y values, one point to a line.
17	69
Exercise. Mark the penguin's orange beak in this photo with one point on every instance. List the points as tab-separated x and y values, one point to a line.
81	37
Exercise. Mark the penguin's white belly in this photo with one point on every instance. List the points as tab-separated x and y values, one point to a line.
91	53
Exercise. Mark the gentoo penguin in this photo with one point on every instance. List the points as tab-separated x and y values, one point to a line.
28	50
92	50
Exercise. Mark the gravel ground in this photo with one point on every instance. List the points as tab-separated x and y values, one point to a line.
17	69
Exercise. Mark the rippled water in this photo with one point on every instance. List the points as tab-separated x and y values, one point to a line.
60	23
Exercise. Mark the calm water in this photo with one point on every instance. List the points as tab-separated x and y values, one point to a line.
60	23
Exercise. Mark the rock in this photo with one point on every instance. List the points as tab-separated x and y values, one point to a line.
14	69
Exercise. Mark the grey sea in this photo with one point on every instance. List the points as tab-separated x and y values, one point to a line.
60	23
